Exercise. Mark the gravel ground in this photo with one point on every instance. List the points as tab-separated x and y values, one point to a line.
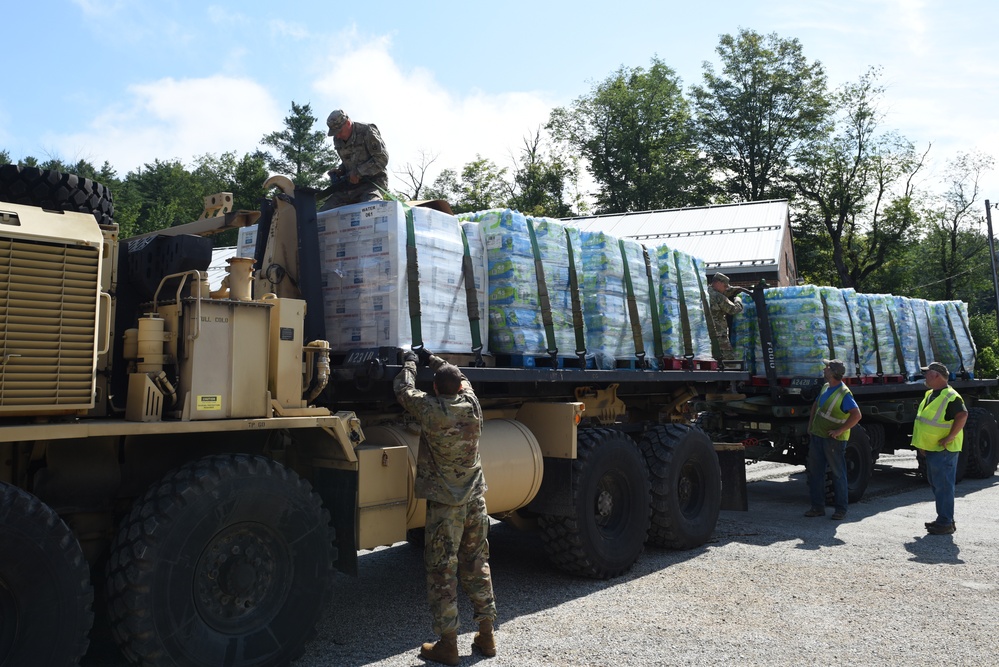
771	588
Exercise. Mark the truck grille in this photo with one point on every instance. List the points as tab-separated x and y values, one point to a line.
48	324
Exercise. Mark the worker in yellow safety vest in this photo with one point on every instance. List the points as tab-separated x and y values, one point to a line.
938	435
833	414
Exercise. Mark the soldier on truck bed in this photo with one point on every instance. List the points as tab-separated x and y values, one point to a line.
362	173
724	301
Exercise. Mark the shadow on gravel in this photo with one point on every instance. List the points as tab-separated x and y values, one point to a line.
934	550
383	612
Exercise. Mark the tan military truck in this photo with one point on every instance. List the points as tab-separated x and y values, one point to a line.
191	456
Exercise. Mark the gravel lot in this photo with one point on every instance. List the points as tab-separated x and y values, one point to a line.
771	588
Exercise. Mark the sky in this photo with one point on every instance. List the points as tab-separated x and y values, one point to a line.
132	81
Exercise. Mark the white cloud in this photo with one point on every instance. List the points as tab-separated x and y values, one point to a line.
415	113
180	119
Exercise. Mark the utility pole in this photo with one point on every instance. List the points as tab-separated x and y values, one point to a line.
992	254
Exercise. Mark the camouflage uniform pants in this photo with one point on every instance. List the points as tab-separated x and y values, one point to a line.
352	194
457	548
724	344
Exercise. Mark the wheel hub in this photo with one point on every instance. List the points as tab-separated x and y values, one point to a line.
605	504
237	574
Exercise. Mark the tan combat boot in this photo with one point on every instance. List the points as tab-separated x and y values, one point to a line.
445	651
484	640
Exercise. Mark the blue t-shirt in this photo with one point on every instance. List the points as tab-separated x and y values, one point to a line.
848	402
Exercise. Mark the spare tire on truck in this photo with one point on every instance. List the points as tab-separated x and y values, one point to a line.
56	191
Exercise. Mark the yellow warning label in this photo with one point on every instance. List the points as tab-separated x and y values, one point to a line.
210	402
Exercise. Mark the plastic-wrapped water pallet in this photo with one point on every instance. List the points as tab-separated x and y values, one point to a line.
515	318
609	334
866	331
681	277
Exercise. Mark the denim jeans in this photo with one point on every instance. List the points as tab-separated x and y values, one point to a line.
831	452
941	471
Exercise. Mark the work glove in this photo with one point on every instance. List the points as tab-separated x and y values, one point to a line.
424	355
409	355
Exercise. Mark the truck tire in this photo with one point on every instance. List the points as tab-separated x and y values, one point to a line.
686	485
876	433
46	600
859	466
54	190
610	501
981	440
226	561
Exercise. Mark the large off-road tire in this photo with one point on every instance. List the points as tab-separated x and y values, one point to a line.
225	561
46	600
981	440
55	190
876	434
859	466
610	500
686	485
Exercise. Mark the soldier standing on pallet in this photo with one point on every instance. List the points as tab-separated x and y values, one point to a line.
363	162
449	475
724	301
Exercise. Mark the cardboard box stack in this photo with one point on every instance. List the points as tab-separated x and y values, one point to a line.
366	292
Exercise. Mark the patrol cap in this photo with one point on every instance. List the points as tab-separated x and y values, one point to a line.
938	367
335	121
720	276
836	366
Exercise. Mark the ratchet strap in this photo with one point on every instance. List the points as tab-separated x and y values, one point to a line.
577	309
544	303
636	325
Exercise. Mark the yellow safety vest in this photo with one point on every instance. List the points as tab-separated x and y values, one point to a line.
830	415
931	424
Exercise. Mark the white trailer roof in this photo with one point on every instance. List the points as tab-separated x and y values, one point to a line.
744	236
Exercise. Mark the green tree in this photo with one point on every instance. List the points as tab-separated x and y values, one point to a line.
753	116
301	152
481	186
545	183
243	177
160	195
957	247
634	130
856	189
5	157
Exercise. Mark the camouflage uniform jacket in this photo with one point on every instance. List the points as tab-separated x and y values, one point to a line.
448	469
364	154
721	306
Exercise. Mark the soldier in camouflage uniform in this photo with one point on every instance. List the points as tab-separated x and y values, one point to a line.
724	301
449	475
363	160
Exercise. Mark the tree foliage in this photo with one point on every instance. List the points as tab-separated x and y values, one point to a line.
855	188
545	182
955	243
480	186
301	152
635	131
753	116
